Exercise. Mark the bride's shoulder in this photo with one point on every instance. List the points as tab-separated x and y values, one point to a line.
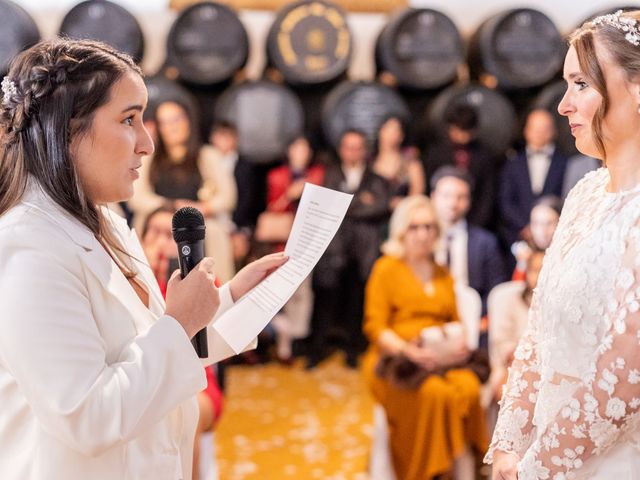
591	184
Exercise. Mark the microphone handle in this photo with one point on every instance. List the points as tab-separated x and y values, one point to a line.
189	255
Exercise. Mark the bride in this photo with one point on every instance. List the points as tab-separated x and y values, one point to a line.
570	409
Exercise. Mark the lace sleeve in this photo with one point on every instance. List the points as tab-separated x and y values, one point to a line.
513	429
606	403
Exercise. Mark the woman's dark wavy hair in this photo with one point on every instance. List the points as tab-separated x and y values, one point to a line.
59	85
161	161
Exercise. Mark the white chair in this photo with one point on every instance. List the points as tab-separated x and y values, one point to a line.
380	464
208	464
469	306
504	321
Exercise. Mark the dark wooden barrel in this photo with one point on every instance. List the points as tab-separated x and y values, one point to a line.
422	48
18	31
515	49
496	115
266	114
162	90
360	105
310	42
207	44
105	21
549	99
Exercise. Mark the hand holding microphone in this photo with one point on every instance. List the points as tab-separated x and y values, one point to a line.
193	300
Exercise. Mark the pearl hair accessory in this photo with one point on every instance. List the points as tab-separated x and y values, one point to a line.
625	24
8	89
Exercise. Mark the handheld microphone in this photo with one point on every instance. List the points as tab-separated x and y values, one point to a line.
188	232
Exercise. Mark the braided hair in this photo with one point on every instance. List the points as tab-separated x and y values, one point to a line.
55	88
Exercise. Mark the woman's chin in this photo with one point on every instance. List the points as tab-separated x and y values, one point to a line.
588	148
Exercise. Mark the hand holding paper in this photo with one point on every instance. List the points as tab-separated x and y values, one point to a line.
319	216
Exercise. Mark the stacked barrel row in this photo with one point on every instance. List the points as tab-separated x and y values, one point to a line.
511	63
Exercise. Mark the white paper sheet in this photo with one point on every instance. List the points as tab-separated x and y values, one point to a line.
320	213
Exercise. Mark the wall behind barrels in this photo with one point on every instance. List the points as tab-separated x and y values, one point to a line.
155	19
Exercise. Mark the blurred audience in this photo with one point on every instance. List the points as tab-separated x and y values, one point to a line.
341	273
399	165
544	219
536	170
184	172
471	253
250	189
461	149
284	189
509	313
432	403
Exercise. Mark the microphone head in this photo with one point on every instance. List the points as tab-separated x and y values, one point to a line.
188	225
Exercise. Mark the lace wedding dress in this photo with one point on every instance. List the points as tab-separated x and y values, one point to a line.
570	407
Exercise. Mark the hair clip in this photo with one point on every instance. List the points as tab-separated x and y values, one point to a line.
627	25
9	89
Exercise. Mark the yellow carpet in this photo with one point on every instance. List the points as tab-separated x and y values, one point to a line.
283	422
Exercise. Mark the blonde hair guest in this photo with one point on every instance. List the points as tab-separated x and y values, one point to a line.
400	222
435	423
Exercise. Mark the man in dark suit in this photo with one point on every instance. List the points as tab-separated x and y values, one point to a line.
341	273
535	171
470	252
462	150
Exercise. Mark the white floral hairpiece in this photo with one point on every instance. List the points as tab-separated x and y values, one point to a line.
627	25
9	89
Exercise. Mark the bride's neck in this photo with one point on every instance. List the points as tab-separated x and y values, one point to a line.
624	169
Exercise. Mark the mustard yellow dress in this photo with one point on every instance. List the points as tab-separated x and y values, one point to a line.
429	426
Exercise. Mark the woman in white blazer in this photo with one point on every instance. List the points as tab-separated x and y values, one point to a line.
97	375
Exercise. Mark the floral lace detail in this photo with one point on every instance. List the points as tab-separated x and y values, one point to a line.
574	387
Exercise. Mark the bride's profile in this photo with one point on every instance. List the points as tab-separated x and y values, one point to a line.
570	408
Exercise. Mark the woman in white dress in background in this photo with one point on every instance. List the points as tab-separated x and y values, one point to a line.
570	408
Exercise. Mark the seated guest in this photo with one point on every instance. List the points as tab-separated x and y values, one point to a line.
535	171
435	418
545	216
509	313
471	253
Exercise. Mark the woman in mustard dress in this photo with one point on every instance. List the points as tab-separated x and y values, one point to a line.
440	420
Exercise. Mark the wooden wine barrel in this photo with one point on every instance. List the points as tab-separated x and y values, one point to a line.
267	116
518	48
105	21
18	31
207	44
549	99
310	42
360	105
161	90
496	115
421	47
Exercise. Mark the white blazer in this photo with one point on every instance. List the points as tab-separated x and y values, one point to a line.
92	383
